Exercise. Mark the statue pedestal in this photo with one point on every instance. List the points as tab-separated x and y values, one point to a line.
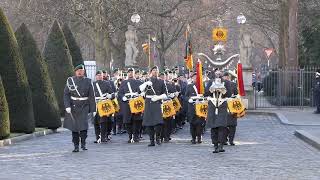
249	98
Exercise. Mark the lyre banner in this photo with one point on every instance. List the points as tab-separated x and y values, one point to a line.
219	34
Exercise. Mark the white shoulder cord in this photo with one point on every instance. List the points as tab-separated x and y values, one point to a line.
99	90
165	84
195	89
129	87
73	85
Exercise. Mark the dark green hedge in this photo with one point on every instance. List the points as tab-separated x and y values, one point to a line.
73	46
57	55
15	80
45	105
4	114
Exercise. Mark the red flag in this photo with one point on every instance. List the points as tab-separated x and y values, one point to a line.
241	90
199	84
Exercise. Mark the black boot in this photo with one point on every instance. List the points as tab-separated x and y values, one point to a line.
199	140
76	148
75	140
193	141
221	147
130	138
151	143
158	140
216	149
83	135
231	143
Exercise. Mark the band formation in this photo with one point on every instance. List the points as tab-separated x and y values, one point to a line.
153	103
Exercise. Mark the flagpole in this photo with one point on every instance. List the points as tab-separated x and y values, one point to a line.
149	50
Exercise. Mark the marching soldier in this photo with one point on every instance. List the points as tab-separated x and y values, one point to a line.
103	91
232	90
217	114
152	117
130	89
183	101
196	123
117	79
79	101
170	92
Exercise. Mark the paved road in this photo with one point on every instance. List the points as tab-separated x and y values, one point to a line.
265	149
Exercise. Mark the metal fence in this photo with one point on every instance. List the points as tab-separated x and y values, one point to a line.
289	87
91	68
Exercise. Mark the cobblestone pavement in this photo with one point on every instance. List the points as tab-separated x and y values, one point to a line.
265	149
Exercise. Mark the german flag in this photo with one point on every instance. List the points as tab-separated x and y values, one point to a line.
199	84
188	53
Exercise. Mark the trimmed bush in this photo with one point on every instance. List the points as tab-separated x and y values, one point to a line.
4	114
15	80
57	55
73	46
45	105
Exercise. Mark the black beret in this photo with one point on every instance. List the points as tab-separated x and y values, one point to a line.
225	74
115	70
154	67
99	72
80	66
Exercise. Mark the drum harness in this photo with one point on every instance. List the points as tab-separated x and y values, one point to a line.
131	94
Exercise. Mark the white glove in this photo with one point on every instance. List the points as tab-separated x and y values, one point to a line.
190	100
176	94
109	96
172	95
148	83
143	94
68	110
143	86
124	98
155	98
163	96
94	114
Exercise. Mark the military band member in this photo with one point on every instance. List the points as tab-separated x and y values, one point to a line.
128	89
79	100
152	118
196	123
171	93
217	114
103	91
232	90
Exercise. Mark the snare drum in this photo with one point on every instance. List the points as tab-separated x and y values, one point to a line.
168	109
105	108
136	105
176	104
236	107
116	105
202	109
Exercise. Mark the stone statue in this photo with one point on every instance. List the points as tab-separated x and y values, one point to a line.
246	50
131	49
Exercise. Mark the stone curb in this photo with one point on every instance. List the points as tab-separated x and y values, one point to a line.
279	116
308	138
14	140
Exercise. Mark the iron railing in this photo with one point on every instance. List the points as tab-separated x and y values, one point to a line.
289	87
